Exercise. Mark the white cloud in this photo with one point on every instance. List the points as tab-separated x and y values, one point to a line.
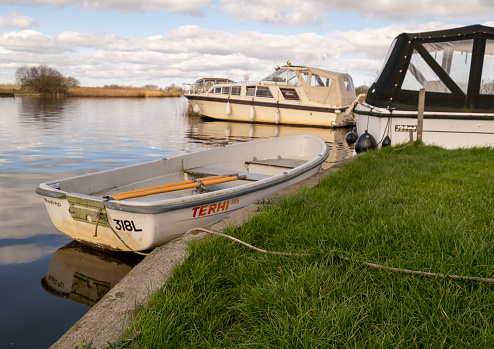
191	7
190	52
294	12
31	41
15	20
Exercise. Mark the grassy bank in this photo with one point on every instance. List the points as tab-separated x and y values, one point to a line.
420	208
120	92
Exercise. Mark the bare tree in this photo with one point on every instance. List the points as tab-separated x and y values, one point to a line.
361	89
71	82
42	79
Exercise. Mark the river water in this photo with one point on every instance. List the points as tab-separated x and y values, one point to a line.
47	281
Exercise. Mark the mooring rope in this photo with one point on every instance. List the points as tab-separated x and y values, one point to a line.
368	264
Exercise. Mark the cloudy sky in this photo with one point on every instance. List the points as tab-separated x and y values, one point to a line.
164	42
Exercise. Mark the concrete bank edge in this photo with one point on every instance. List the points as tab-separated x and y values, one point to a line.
106	321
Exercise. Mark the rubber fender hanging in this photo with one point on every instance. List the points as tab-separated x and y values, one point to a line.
386	141
277	116
196	108
228	109
365	142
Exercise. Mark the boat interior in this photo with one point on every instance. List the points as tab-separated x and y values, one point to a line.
201	180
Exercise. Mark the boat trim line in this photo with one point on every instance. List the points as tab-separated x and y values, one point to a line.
274	104
426	115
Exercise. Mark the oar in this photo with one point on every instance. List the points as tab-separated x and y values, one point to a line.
167	185
176	186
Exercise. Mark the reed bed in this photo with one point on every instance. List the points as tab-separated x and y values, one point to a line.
9	87
420	208
123	93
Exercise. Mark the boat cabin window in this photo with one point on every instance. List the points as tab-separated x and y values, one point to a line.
215	90
264	92
250	91
236	90
320	81
258	91
289	94
283	75
348	83
454	57
487	80
226	90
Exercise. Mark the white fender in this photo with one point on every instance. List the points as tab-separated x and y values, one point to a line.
277	116
196	108
228	109
252	114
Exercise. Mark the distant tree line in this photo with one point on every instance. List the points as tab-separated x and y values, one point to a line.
47	80
171	88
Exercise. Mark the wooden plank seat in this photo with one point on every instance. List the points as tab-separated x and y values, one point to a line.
211	171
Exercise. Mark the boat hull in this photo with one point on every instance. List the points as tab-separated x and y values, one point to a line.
447	130
244	110
142	224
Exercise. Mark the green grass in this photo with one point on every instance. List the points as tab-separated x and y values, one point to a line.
421	208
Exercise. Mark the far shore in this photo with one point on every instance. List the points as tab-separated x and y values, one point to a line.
99	92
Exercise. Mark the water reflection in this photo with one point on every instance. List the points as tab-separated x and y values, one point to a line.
42	109
24	253
85	275
223	132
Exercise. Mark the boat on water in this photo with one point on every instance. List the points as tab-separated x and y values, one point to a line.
139	207
292	95
455	67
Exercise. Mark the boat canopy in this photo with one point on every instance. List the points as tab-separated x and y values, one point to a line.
320	85
454	66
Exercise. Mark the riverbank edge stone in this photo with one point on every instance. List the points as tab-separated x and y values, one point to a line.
106	321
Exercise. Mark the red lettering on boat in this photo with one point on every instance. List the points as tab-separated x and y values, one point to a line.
195	211
205	210
212	208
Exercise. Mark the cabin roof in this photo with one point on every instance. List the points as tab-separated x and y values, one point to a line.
455	66
315	70
213	80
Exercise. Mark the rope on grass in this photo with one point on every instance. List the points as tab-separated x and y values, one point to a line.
246	244
368	264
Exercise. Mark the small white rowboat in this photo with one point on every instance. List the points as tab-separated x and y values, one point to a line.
143	206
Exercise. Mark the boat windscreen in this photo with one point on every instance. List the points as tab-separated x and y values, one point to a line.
454	57
454	66
487	79
283	75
